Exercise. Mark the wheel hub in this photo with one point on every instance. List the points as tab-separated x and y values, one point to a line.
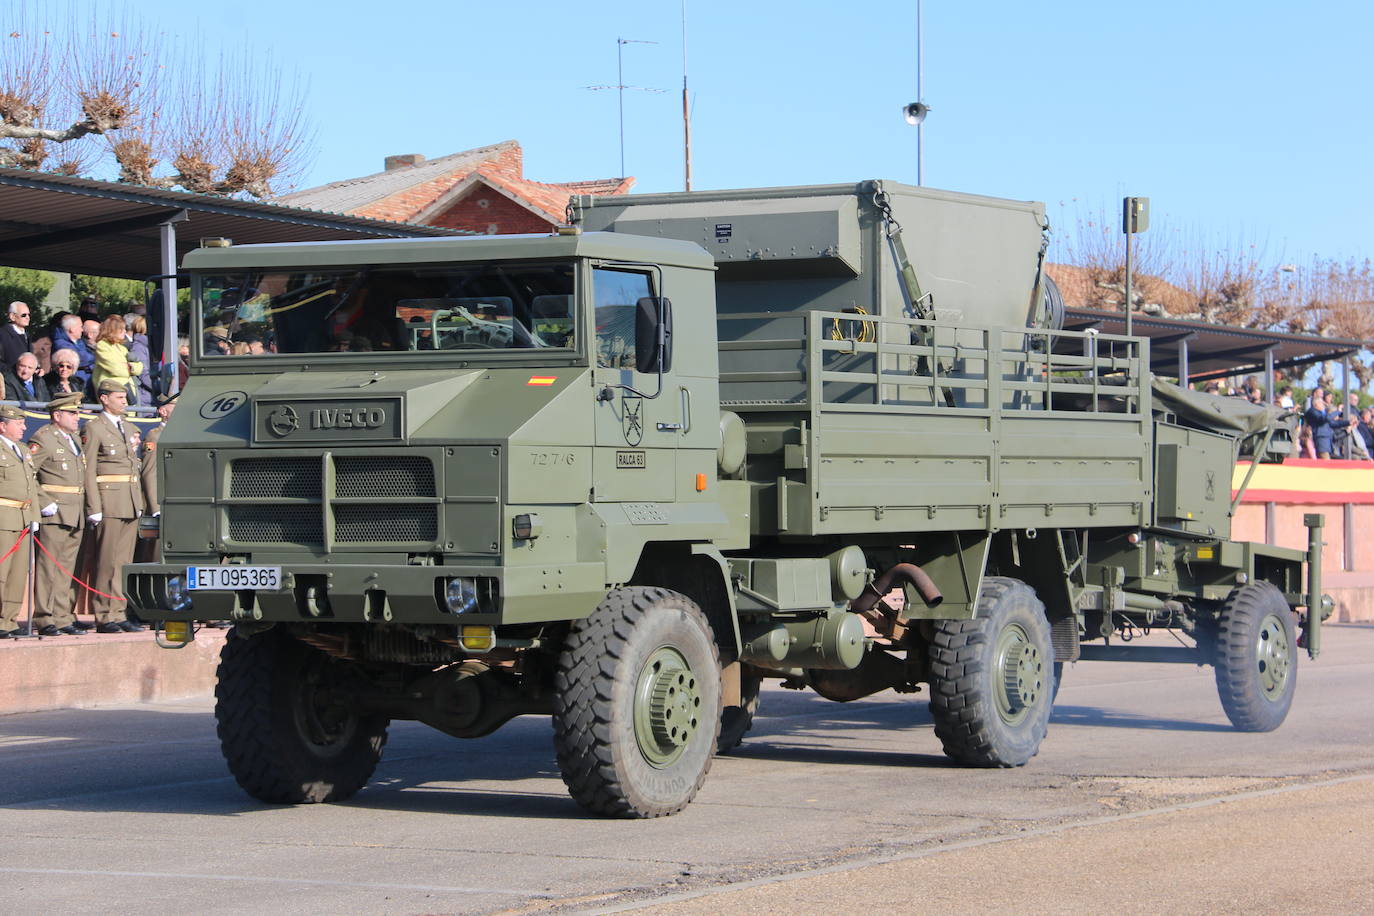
1273	656
326	724
667	707
1022	669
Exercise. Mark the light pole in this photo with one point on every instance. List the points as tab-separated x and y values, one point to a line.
915	112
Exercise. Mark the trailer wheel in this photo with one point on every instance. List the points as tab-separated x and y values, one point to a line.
992	678
1256	657
637	704
735	721
285	730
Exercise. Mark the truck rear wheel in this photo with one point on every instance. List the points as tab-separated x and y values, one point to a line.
1256	657
735	721
286	733
637	704
992	678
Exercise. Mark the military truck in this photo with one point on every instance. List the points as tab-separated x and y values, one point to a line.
621	474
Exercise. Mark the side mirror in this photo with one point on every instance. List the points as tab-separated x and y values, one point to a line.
653	334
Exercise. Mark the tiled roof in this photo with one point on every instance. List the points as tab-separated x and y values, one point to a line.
419	193
551	200
356	193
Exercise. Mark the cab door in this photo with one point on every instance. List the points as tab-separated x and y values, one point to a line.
636	433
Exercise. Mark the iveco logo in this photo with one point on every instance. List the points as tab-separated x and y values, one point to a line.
282	421
347	418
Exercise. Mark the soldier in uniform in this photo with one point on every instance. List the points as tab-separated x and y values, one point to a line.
20	499
61	470
146	551
114	501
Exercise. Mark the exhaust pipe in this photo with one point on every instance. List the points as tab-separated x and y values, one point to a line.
901	574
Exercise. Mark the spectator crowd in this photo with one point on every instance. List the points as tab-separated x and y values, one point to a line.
75	354
1325	428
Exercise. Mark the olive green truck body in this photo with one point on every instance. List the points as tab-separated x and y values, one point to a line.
699	435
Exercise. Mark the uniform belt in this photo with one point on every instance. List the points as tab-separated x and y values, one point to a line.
114	478
54	488
14	503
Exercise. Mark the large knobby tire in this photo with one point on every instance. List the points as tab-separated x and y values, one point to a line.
637	704
283	730
992	678
1256	657
735	721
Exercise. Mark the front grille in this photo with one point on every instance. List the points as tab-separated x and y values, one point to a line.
275	478
383	476
379	479
385	523
292	524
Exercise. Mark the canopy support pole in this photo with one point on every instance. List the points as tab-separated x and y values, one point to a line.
170	352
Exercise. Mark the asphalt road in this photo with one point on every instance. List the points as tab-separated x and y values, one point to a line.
825	807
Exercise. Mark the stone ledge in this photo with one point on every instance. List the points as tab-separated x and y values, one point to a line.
65	672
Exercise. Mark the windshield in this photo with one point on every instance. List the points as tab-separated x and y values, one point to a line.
496	306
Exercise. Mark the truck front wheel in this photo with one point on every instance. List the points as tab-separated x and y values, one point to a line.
637	704
284	725
1256	657
992	678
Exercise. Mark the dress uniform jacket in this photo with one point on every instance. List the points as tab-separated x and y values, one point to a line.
115	491
61	470
148	470
146	550
20	500
113	485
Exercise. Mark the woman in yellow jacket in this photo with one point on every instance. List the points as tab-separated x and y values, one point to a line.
112	357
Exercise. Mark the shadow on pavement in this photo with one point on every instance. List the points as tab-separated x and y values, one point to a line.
169	762
1092	716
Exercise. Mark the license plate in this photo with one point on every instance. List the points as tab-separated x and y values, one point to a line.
233	578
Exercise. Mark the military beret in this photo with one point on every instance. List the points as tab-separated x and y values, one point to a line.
110	386
65	402
11	413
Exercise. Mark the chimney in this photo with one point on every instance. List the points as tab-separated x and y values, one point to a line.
392	163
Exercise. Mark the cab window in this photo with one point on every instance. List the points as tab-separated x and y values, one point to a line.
617	293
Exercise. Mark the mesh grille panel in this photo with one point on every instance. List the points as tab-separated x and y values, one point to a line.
275	478
276	524
383	476
385	523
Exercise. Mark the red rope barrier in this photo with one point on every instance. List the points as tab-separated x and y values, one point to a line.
17	543
63	568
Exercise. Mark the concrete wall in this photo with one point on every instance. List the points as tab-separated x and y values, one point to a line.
103	669
1348	556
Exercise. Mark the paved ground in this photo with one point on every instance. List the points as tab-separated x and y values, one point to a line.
127	809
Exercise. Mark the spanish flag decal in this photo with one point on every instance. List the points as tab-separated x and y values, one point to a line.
542	380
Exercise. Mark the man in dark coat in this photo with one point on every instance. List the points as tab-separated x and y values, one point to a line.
14	338
23	383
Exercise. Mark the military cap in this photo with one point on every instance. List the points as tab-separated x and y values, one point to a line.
11	413
65	402
110	386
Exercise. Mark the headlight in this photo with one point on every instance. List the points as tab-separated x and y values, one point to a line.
177	598
462	596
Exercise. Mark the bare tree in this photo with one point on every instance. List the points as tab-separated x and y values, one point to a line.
82	96
1228	281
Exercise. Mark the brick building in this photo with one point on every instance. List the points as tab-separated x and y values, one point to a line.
482	190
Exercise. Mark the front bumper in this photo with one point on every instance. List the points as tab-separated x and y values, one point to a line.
373	594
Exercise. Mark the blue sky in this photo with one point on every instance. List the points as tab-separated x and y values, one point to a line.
1244	122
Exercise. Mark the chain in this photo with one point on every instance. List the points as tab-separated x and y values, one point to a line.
884	204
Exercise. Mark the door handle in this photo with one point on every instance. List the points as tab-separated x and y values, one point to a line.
685	396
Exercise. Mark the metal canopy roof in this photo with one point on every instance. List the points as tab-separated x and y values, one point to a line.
1214	351
81	225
